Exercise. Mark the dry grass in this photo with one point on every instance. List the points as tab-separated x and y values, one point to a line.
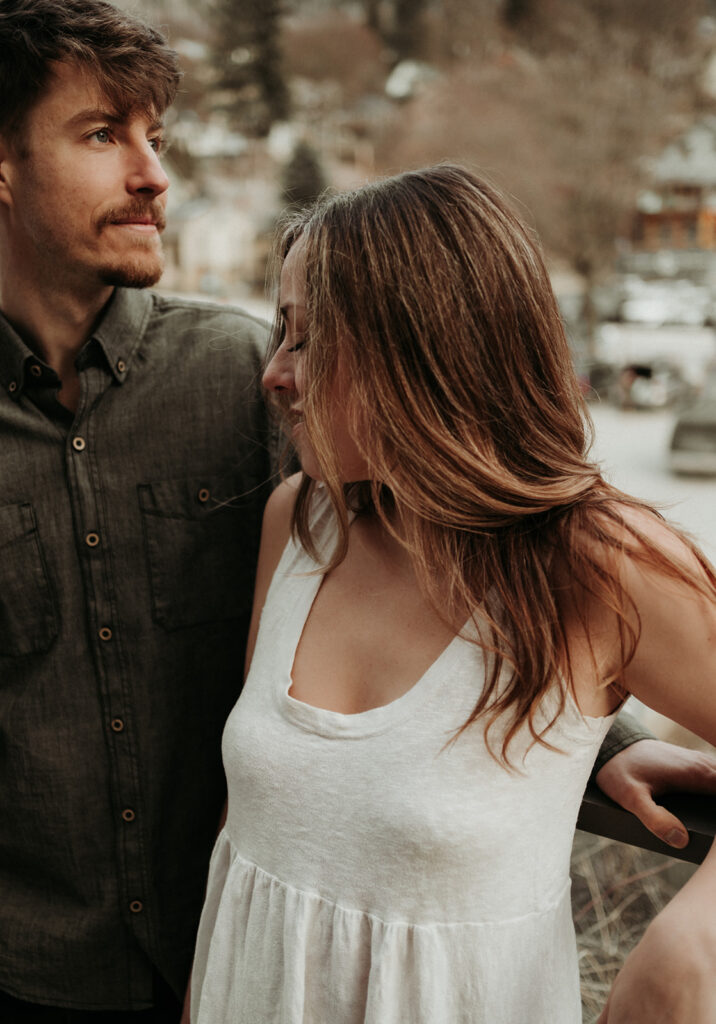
616	891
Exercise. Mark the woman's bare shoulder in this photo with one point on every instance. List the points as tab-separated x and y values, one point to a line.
659	593
640	536
276	529
672	593
281	503
275	533
661	568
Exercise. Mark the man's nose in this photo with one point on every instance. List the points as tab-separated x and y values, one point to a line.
279	374
146	176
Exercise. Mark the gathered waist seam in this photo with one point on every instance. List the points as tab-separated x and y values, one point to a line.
396	923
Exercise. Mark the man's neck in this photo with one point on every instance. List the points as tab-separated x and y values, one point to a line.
54	324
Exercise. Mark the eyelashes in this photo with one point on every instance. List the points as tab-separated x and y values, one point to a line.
298	337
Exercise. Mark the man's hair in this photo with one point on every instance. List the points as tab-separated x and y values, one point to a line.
130	61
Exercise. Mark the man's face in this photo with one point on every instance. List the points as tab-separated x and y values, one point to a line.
85	197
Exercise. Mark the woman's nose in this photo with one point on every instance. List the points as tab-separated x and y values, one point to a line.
278	375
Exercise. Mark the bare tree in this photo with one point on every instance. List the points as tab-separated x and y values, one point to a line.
564	125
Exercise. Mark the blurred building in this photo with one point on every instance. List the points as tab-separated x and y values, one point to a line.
675	221
218	246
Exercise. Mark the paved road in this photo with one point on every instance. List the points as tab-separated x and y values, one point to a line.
632	448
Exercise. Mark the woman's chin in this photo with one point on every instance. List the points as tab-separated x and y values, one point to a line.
309	465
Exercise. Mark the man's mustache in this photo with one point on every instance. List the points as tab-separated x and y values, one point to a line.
135	211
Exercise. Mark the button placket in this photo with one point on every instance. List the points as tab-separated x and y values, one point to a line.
89	475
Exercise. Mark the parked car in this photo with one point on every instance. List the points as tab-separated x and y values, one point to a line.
693	442
596	378
649	385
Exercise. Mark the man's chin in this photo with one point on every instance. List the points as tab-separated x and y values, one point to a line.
138	274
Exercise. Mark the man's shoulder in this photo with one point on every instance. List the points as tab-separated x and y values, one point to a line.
194	314
182	335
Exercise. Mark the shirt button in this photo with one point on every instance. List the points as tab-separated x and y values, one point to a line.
128	814
203	495
92	540
78	443
117	725
136	906
105	633
121	366
36	370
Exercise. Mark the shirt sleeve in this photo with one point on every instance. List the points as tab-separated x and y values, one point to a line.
624	731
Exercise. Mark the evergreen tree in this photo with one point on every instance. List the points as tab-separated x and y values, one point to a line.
249	63
371	10
407	39
303	179
516	12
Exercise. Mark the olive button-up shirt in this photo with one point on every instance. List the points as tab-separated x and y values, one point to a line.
128	536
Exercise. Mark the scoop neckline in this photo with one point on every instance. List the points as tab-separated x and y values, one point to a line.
361	723
325	722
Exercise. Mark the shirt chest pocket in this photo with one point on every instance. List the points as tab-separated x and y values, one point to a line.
28	619
201	541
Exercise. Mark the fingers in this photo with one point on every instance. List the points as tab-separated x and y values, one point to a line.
658	820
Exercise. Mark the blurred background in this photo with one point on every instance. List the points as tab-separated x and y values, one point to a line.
598	117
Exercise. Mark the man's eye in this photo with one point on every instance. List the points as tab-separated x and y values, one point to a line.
157	144
101	135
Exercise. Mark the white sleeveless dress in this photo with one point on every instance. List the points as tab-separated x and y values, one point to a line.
369	873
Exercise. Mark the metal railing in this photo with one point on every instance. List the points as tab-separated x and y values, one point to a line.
600	815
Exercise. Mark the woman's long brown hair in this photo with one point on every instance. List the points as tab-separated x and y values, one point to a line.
434	300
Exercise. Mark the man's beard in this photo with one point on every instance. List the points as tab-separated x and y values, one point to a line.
133	274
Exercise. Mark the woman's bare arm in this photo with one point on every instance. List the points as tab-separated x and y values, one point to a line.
671	975
275	532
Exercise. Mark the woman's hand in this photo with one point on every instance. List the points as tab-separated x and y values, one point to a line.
648	768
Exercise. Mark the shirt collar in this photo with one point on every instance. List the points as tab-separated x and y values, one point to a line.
118	333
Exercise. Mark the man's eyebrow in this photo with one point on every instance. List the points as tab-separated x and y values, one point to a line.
93	114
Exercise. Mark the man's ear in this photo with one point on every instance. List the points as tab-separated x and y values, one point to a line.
5	158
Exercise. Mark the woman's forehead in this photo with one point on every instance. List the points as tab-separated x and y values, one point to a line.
293	276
